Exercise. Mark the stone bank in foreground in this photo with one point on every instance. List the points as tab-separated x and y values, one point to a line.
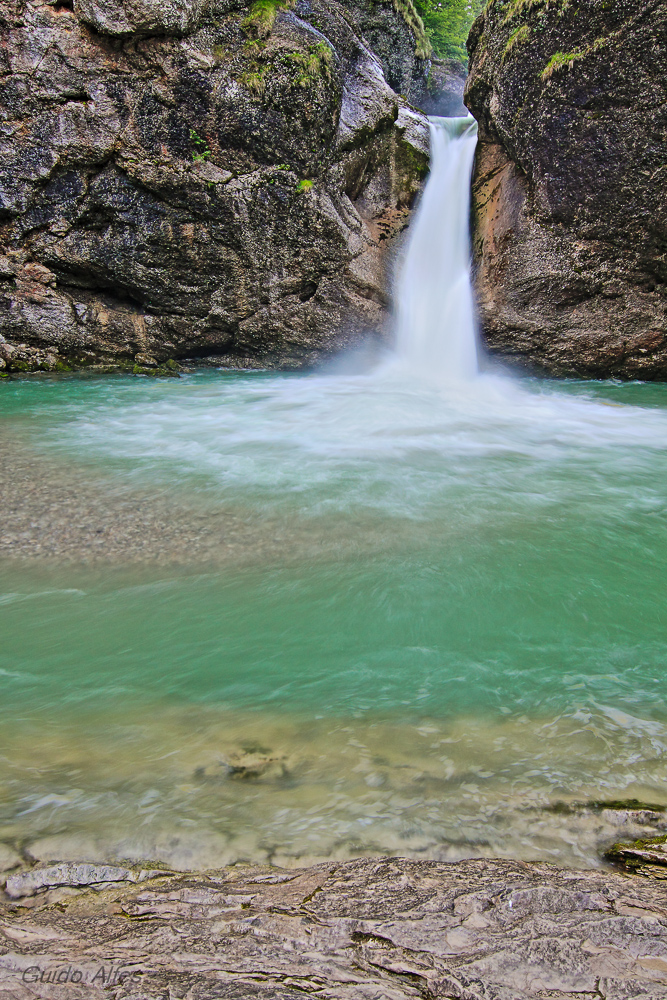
371	928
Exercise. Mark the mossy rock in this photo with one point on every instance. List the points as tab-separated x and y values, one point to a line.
641	857
168	370
597	805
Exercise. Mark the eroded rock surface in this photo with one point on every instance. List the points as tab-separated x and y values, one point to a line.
363	929
570	184
443	93
198	177
646	857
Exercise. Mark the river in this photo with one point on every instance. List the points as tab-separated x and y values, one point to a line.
407	609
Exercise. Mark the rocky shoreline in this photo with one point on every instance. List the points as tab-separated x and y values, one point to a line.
369	928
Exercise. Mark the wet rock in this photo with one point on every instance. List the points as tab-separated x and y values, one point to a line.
643	857
622	812
368	928
73	875
399	43
194	179
569	193
443	93
149	17
26	358
147	360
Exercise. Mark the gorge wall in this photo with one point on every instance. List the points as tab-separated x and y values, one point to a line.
201	178
570	184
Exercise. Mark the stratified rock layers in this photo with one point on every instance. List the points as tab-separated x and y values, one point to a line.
358	930
570	184
193	178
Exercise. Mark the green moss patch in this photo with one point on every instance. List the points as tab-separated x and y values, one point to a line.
313	64
254	80
642	857
260	20
559	62
518	37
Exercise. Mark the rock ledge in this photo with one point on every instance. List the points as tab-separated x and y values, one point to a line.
367	928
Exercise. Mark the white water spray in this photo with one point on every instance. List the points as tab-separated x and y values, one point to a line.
436	320
421	432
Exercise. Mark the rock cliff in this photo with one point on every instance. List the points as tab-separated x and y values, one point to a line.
201	177
570	184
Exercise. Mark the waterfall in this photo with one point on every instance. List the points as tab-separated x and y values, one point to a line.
436	320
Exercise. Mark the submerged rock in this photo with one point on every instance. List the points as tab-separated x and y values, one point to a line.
246	764
387	928
201	178
569	189
9	858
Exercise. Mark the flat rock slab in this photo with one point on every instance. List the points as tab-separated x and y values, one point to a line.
370	929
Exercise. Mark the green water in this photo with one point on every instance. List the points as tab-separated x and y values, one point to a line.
435	614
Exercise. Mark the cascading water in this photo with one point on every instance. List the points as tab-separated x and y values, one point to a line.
436	321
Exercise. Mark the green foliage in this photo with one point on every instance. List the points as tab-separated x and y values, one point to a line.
410	12
201	152
447	23
313	64
259	22
559	62
518	37
304	185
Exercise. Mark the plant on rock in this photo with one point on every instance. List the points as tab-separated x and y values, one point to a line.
201	152
313	64
259	22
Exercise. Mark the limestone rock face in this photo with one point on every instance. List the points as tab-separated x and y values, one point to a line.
160	17
195	178
358	930
570	184
393	41
443	93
